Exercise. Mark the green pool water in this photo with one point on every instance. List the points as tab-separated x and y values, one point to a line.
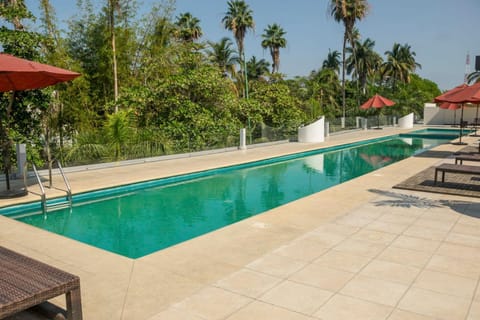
137	220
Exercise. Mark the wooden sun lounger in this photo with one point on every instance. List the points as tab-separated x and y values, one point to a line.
460	159
455	168
25	282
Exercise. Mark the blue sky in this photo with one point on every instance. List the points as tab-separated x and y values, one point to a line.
441	32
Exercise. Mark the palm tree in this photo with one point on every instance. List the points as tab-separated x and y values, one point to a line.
400	63
239	19
364	63
273	39
332	61
473	77
257	68
223	55
347	12
188	27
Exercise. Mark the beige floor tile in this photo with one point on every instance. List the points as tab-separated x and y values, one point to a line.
443	225
459	267
152	289
359	247
398	314
391	271
325	239
414	243
459	252
425	233
348	308
200	304
322	277
470	229
436	305
446	283
248	283
374	236
342	261
353	221
463	239
408	257
474	313
276	265
366	212
302	249
389	227
374	290
337	228
297	297
175	314
263	311
398	218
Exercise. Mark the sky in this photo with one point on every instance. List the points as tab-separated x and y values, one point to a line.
440	32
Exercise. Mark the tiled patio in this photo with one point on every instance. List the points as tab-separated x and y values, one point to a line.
360	250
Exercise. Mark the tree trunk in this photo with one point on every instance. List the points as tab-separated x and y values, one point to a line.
114	53
343	71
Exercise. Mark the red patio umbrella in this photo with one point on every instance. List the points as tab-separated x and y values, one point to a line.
377	102
20	74
462	94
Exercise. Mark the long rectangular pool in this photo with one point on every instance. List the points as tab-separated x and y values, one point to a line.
138	219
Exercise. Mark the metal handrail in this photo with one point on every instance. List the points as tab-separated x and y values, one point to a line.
42	190
67	183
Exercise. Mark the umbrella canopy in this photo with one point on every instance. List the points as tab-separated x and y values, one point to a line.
18	74
461	94
377	101
449	106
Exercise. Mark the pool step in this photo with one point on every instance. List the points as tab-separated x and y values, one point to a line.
58	206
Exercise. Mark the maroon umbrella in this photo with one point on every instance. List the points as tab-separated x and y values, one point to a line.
20	74
377	102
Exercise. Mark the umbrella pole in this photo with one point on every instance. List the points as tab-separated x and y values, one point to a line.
461	125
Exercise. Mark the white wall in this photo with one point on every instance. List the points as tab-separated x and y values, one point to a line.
433	115
406	122
314	132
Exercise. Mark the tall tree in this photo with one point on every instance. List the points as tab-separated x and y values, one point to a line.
274	39
400	64
348	12
364	62
332	61
188	27
257	68
223	55
238	19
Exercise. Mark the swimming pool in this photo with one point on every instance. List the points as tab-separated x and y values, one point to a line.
142	218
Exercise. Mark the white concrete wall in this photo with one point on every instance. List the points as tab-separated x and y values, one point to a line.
314	132
406	122
433	115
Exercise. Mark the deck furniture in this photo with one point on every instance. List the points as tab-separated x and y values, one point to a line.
455	168
25	282
469	157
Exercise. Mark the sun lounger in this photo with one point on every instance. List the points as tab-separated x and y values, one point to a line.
455	168
460	159
25	282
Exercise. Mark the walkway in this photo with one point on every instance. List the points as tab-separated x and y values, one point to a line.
360	250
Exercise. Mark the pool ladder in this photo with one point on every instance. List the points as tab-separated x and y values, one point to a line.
57	205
